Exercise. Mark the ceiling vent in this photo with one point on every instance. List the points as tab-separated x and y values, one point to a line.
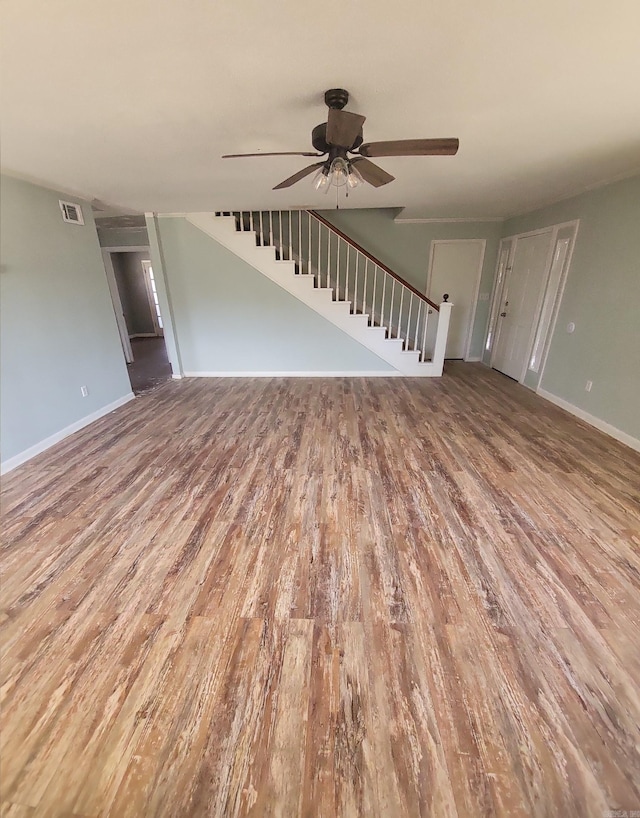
71	213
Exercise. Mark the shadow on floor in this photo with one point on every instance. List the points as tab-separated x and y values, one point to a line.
150	365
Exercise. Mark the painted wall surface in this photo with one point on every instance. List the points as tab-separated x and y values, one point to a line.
230	318
58	328
123	237
129	274
602	298
405	249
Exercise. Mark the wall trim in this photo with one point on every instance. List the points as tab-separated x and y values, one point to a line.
546	346
549	228
45	183
126	248
123	332
592	420
621	177
376	373
477	219
170	331
48	442
119	229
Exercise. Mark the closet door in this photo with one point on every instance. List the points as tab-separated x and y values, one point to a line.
455	269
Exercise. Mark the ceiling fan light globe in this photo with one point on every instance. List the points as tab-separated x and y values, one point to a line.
339	172
355	178
321	180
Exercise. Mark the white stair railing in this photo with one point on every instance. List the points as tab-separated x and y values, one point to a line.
354	275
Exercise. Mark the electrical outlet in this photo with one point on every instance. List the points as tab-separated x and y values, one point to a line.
588	386
84	391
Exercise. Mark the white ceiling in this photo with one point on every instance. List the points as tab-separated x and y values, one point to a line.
134	101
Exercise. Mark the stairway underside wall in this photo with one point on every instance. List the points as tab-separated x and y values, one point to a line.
229	318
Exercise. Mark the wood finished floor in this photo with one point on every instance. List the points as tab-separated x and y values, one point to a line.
316	597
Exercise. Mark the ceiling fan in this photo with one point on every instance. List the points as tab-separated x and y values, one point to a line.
340	136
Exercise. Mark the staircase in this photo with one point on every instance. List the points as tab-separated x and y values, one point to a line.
314	261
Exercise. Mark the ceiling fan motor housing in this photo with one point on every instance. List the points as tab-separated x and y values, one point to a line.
319	139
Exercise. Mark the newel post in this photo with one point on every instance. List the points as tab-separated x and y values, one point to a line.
442	332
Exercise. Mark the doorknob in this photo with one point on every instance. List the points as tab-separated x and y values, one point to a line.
503	314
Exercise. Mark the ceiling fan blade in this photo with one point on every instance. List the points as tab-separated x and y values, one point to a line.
411	147
343	128
372	173
299	175
285	153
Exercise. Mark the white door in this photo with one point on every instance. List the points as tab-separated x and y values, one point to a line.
519	303
455	269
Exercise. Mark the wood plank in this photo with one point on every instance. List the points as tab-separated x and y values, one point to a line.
336	597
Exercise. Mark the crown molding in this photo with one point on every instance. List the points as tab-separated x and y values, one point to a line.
621	177
465	220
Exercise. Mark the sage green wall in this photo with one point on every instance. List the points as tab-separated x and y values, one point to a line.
57	324
602	298
228	317
405	248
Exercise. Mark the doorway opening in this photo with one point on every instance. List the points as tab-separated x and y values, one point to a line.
135	300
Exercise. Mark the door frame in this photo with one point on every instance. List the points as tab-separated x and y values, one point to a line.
158	272
146	264
496	297
476	288
117	305
553	229
559	294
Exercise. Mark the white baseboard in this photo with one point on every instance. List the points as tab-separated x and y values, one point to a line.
43	445
473	359
592	420
391	373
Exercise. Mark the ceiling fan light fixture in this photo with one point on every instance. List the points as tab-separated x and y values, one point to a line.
321	180
339	172
354	179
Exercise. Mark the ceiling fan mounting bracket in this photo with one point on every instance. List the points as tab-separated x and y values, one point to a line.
336	98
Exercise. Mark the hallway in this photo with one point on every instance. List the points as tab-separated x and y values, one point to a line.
150	365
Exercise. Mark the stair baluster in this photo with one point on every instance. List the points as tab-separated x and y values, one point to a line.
322	251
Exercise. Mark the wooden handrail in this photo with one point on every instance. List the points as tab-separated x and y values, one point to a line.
372	258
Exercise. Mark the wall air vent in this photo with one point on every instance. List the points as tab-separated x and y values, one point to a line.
71	213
